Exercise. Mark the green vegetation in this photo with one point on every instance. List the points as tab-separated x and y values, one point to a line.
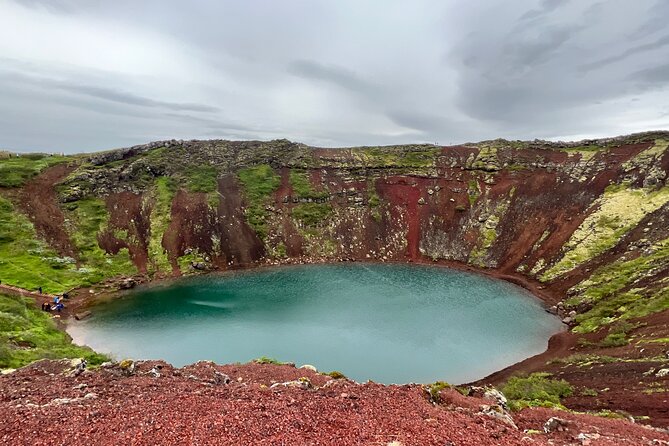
312	214
535	390
26	261
589	392
473	191
434	389
202	179
619	210
654	341
301	184
585	360
87	219
624	306
17	170
412	157
335	375
163	193
259	183
604	291
618	335
266	360
28	334
586	152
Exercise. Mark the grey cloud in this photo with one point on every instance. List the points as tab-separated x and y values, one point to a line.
333	74
634	51
512	68
538	49
122	97
546	7
652	77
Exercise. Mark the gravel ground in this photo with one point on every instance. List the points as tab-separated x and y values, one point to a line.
203	404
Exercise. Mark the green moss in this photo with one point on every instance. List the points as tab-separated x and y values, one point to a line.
202	179
28	262
434	389
301	184
589	392
605	291
399	157
259	182
32	335
266	360
311	214
163	193
654	341
335	375
279	251
473	191
86	221
621	307
617	212
534	390
585	360
586	152
17	170
185	262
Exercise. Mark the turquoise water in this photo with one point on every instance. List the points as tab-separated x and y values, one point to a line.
387	323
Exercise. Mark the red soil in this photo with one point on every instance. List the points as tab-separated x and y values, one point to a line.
39	200
188	406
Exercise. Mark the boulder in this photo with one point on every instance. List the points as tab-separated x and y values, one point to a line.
83	315
127	283
554	424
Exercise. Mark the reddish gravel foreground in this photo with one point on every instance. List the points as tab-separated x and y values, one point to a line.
44	404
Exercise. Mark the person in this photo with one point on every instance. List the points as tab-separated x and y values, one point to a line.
59	306
46	306
56	299
39	290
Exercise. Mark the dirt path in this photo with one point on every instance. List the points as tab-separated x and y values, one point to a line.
39	200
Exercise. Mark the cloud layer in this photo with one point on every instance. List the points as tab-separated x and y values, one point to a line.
81	75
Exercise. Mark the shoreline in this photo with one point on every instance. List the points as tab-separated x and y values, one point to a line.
557	346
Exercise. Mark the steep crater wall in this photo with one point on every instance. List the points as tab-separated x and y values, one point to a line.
585	223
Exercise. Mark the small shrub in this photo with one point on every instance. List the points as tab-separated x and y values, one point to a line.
535	390
589	392
434	389
336	375
266	360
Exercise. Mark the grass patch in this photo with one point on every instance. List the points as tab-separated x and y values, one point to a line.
312	214
535	390
400	157
618	211
86	220
624	306
335	375
618	335
266	360
16	170
202	179
163	192
28	262
585	360
301	184
259	183
28	334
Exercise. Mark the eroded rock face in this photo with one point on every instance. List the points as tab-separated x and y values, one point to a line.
585	223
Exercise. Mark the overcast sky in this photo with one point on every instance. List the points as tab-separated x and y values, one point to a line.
83	75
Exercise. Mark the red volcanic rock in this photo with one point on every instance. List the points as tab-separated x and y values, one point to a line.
158	404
